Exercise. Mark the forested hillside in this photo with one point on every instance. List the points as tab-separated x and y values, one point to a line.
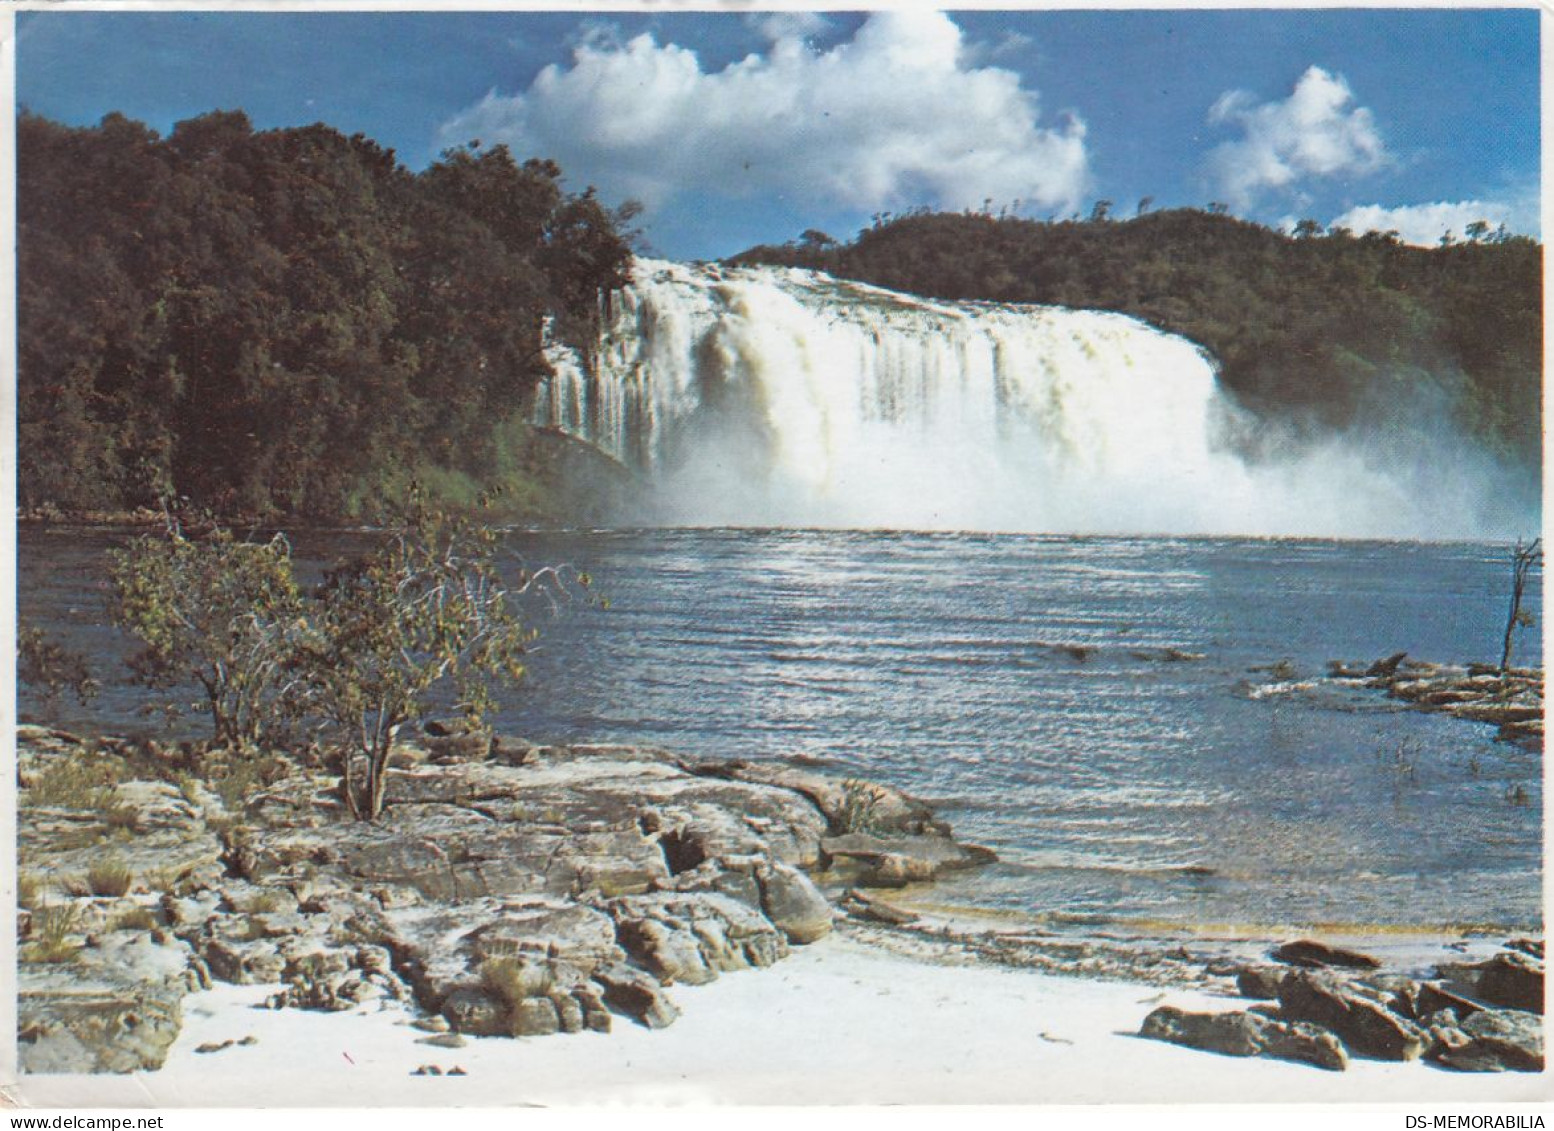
1320	330
287	322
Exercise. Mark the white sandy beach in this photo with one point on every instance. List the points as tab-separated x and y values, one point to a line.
839	1022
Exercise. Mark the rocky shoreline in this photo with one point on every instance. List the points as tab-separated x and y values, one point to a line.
509	889
1303	1000
1511	700
521	890
1322	1005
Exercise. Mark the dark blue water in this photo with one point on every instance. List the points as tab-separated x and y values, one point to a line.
1022	685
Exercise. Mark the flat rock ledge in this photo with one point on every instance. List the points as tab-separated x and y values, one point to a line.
507	889
1511	700
1322	1005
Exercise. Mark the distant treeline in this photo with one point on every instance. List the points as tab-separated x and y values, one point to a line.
1317	329
286	322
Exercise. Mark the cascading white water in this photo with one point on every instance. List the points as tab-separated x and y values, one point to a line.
776	396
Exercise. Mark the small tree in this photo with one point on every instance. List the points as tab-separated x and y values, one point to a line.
219	611
428	609
1523	559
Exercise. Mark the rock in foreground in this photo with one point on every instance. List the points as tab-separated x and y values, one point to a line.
1334	1004
507	890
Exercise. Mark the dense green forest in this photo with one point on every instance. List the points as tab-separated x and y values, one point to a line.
289	322
1318	330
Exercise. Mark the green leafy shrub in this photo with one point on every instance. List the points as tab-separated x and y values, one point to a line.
218	611
427	610
355	659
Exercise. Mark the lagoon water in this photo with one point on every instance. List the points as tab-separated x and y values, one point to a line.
1092	708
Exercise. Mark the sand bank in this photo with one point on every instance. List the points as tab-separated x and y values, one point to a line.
838	1022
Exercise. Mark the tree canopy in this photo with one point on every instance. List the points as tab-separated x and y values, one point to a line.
286	322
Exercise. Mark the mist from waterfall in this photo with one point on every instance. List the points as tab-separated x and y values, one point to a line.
780	397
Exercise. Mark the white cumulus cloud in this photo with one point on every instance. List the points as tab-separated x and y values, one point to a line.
1317	131
1424	224
899	115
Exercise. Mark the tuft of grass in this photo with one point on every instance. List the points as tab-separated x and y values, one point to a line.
29	889
52	927
110	876
860	808
120	818
267	903
70	784
188	788
168	879
238	779
136	919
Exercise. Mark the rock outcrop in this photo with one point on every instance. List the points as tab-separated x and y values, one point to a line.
1333	1004
1511	700
508	889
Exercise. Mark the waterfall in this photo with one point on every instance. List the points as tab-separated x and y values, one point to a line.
777	396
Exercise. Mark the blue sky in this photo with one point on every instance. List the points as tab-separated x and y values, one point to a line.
736	129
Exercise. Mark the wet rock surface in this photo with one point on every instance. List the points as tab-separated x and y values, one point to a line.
508	889
1511	700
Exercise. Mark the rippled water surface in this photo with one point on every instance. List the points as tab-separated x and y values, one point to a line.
1090	708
